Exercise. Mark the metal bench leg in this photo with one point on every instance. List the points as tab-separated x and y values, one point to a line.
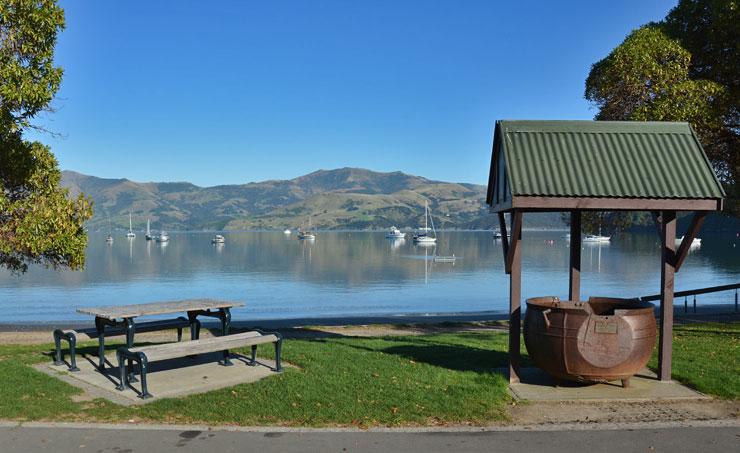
225	315
130	331
100	326
195	330
278	351
253	362
58	360
131	377
226	361
143	367
179	334
72	339
122	370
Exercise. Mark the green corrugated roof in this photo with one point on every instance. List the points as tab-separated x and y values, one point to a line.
605	159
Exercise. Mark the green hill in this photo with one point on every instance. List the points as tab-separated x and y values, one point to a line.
346	198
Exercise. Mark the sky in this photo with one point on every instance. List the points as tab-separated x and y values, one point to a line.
230	92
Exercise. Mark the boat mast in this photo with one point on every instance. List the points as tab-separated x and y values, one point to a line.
426	214
148	231
431	220
129	222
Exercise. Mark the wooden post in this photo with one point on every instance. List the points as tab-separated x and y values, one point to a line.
515	295
574	292
667	273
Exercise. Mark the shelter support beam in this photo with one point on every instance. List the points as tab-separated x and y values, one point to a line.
504	235
574	292
683	249
667	274
516	232
514	262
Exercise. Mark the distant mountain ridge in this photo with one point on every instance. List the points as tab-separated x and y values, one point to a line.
345	198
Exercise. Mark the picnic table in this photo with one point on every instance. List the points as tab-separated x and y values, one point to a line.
116	317
121	320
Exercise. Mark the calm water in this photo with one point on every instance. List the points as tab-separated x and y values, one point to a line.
346	274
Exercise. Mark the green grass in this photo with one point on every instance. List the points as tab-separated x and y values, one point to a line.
705	357
448	378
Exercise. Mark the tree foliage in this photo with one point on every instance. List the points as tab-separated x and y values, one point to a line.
39	223
685	68
710	30
646	78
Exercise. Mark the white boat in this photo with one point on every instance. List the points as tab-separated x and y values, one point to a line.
287	231
395	233
596	238
218	239
696	242
422	236
163	237
130	233
109	238
148	234
306	235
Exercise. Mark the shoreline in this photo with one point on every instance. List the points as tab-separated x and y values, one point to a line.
705	313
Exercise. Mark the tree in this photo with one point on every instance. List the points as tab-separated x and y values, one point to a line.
684	68
710	30
646	78
39	223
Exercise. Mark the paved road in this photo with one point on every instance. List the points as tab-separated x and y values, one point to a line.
39	439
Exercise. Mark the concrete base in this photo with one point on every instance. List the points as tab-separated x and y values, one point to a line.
536	385
166	378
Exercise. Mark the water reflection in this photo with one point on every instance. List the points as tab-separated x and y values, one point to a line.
348	273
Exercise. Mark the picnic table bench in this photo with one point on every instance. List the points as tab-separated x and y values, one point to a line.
143	355
117	320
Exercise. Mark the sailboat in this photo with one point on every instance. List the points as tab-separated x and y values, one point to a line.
148	234
306	234
423	236
109	238
130	233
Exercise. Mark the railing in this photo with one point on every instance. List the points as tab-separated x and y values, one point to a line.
694	293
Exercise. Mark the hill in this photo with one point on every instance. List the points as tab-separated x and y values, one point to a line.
345	198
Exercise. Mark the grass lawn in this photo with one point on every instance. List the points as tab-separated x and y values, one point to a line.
707	357
410	380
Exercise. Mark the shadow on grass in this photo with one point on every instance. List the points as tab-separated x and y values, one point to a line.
458	358
450	356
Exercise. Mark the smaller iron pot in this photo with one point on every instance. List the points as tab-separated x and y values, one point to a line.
604	339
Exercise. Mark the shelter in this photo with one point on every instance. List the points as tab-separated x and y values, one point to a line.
575	166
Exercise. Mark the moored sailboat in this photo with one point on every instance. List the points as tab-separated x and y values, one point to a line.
130	233
148	234
422	236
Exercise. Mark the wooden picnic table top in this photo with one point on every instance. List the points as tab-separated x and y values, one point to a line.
113	312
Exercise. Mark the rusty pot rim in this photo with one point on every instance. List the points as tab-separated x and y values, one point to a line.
630	306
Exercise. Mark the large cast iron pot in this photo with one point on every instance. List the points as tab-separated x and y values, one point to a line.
604	339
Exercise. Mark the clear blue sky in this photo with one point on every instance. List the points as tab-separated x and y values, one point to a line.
237	91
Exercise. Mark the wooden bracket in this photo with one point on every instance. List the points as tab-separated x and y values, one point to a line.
688	238
504	236
516	235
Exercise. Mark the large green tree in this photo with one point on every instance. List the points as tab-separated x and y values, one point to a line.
685	68
39	222
710	30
